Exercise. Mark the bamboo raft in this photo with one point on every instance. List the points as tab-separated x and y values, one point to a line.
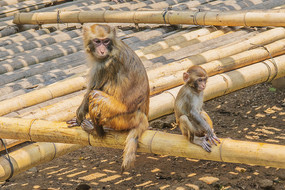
257	55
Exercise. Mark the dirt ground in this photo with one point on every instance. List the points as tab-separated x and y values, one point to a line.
252	114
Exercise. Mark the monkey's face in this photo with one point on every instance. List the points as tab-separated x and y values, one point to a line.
98	40
100	48
200	83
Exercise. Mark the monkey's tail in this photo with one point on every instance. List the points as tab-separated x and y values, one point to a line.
130	150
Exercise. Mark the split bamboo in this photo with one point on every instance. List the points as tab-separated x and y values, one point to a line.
151	141
228	18
25	7
174	41
41	55
169	48
223	65
8	143
218	53
32	155
40	41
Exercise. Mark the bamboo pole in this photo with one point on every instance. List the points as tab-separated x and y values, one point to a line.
151	141
229	18
32	155
41	95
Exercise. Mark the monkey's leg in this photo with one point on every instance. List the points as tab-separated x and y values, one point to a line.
191	131
103	106
207	118
105	110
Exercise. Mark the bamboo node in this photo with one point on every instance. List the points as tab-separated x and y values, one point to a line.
269	79
150	142
30	128
220	149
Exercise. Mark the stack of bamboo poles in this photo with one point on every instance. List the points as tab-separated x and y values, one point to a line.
223	59
36	130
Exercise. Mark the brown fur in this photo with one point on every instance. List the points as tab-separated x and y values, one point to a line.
118	90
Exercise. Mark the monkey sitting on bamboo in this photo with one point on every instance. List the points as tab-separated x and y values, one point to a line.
117	94
193	121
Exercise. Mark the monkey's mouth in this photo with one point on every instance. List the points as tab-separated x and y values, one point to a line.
100	56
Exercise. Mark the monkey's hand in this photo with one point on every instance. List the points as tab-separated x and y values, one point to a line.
72	123
212	138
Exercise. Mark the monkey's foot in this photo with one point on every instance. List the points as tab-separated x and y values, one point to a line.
202	141
87	126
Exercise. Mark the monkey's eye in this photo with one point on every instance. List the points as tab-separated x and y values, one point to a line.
106	41
199	80
97	41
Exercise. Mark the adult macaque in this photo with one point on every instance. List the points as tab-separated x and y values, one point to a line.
193	121
117	94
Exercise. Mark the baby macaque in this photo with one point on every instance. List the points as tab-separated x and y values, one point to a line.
193	121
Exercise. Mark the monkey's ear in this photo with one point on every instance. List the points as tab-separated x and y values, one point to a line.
186	77
85	29
114	31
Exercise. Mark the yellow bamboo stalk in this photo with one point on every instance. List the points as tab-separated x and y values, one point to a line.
218	53
223	65
226	18
32	155
41	95
151	141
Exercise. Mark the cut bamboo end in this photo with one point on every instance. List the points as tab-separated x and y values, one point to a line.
228	18
151	141
8	143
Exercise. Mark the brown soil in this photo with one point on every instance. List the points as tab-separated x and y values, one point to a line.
252	114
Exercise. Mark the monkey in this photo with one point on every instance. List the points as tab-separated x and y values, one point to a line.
193	121
117	95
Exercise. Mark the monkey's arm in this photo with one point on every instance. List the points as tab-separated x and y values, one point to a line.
81	112
204	121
